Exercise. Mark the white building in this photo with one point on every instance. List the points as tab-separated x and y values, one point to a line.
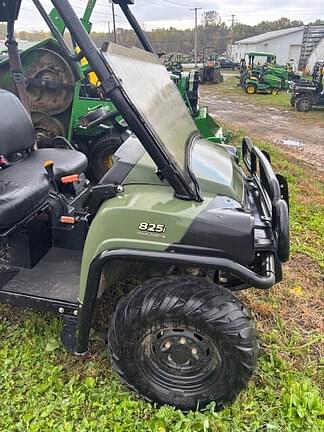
317	54
285	44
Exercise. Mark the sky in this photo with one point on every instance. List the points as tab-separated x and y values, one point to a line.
177	13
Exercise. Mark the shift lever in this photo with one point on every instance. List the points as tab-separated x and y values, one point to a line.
49	167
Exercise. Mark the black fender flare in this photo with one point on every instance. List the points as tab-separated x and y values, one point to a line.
263	281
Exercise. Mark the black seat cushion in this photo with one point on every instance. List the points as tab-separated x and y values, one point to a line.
24	186
66	162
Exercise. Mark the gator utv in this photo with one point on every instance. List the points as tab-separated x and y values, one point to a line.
175	212
309	93
210	72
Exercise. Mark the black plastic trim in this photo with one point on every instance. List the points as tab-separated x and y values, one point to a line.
38	303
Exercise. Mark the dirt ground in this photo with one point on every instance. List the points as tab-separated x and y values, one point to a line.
297	133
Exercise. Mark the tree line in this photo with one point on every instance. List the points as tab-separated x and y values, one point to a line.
212	32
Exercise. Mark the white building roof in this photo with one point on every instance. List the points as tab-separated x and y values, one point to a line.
269	35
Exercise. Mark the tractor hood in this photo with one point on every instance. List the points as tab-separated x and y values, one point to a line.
216	171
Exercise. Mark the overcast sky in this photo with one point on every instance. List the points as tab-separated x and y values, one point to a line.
159	13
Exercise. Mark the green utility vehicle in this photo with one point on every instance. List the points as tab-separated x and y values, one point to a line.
175	212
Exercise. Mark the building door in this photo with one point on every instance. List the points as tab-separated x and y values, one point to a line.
294	54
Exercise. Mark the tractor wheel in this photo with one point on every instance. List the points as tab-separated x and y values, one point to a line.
303	104
251	89
100	159
292	101
183	341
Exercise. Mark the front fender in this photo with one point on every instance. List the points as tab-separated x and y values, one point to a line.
117	224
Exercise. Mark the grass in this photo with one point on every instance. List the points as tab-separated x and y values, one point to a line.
43	388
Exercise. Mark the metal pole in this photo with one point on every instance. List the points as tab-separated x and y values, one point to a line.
136	27
196	34
114	21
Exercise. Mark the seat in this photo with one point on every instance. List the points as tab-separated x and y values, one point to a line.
23	188
66	162
24	185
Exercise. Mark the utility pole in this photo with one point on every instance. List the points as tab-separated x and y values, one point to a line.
232	30
232	36
196	9
114	21
108	30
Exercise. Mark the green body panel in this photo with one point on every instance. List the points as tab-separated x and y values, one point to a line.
209	129
146	199
116	224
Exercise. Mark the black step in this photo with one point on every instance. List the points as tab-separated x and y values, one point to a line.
55	277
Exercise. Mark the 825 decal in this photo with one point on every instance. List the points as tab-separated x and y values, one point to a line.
151	227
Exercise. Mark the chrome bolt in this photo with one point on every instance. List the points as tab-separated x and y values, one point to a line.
61	310
120	189
194	351
167	345
75	313
182	340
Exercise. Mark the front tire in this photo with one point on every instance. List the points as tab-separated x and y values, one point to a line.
250	89
303	104
100	159
183	341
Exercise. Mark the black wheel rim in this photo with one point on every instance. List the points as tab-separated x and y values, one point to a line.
180	358
304	104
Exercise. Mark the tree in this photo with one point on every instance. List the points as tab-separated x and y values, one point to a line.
211	19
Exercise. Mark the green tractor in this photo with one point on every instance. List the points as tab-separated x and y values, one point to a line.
175	213
64	100
265	77
210	71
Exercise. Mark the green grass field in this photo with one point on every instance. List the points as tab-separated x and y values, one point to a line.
44	389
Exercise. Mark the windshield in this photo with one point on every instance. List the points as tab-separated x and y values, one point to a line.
156	98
